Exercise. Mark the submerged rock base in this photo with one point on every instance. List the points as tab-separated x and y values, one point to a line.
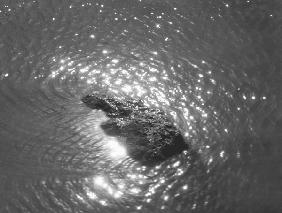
150	135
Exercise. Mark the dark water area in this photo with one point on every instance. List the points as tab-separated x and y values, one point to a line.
213	66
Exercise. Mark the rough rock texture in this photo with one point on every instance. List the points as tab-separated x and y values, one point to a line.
150	136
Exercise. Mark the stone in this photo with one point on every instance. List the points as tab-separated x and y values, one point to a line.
150	135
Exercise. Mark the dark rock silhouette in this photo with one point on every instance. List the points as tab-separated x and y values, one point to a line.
150	135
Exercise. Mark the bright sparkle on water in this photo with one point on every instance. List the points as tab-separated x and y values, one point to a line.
116	150
100	182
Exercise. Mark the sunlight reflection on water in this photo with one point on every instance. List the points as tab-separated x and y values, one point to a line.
117	150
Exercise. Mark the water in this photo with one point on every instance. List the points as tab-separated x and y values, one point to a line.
213	66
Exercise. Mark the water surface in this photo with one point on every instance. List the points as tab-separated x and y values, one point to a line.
213	66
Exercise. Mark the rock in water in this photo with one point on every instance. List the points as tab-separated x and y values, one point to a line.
150	135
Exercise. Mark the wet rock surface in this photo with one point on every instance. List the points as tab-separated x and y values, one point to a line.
150	135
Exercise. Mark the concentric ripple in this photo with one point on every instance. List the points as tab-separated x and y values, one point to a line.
213	66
